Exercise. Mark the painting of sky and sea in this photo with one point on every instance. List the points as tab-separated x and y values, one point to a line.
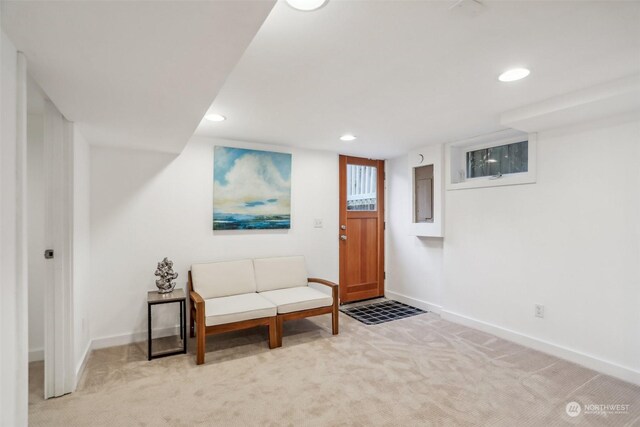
251	189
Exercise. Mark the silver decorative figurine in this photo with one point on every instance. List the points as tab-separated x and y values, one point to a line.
166	276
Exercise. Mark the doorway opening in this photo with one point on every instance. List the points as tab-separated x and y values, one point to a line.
36	239
361	231
49	234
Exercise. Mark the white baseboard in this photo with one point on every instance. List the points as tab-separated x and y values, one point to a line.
586	360
434	308
117	340
36	355
113	341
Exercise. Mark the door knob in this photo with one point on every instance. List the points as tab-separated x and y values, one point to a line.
343	237
343	227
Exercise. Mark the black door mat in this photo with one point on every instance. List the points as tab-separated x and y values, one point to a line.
381	312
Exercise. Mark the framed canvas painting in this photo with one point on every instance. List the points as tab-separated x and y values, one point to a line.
251	189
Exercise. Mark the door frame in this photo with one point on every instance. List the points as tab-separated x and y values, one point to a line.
380	192
14	384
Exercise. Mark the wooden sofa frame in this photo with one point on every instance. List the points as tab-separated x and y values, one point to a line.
333	309
199	329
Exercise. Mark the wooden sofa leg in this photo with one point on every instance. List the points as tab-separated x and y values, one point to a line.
273	333
279	322
200	336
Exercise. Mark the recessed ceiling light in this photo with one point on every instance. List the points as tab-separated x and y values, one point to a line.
347	137
306	5
215	118
513	75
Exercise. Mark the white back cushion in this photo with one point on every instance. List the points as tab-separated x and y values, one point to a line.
222	279
280	273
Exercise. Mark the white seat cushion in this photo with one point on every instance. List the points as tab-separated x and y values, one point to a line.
296	299
280	273
222	279
236	308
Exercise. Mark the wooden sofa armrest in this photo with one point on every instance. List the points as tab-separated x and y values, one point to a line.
322	282
333	286
336	301
196	298
200	326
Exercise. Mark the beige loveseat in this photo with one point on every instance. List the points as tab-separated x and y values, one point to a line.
231	295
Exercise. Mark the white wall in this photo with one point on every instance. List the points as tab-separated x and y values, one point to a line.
414	264
81	248
570	242
36	235
148	205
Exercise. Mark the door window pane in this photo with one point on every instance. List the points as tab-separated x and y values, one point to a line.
361	188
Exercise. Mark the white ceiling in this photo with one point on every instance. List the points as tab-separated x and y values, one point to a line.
400	74
139	74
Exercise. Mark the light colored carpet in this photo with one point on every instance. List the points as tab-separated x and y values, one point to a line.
416	371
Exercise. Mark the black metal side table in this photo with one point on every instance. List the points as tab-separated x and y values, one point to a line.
179	296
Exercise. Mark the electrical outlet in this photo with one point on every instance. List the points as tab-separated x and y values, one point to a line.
317	223
539	311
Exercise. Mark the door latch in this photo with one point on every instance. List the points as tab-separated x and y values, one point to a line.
48	253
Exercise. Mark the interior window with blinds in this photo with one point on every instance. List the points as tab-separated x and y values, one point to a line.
361	188
499	160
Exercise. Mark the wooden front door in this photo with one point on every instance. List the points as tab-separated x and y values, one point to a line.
361	233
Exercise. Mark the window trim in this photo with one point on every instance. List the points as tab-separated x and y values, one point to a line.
456	154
